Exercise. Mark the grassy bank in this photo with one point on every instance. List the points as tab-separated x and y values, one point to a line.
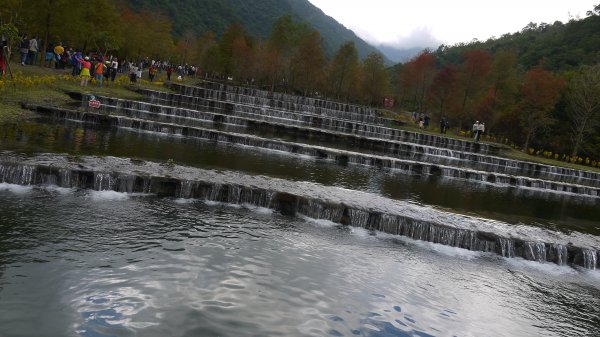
48	86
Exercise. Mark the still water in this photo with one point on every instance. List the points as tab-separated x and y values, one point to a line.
88	263
518	206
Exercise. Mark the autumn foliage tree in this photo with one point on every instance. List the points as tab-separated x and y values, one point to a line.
471	82
415	79
539	94
442	91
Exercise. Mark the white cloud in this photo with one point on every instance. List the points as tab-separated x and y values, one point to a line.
430	23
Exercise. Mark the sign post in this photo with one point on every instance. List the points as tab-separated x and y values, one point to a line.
93	103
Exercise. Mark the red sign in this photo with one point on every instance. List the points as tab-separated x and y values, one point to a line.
94	103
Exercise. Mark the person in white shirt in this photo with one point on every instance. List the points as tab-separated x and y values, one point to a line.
33	50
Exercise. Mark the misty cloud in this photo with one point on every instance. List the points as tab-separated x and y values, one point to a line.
421	37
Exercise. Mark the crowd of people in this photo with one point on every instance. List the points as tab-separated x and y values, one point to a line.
422	121
102	69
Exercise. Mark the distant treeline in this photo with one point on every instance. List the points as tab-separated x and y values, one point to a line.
538	88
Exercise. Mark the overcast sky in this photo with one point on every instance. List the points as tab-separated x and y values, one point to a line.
429	23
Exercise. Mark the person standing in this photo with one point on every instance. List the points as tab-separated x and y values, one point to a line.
169	72
86	65
24	49
33	51
76	62
152	72
4	56
49	55
476	130
99	73
114	66
59	50
443	122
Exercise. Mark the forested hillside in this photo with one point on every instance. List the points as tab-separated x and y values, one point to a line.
538	89
560	46
256	16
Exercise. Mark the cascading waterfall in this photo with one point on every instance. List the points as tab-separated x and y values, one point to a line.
22	175
294	201
507	247
103	181
590	258
561	254
535	251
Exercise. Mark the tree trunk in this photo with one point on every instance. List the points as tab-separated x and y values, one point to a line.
46	34
578	139
527	139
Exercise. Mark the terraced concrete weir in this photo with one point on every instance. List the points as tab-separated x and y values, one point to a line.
340	156
342	206
404	144
206	99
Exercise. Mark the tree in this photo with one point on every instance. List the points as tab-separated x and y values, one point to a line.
199	49
502	89
473	73
443	90
375	79
233	33
583	95
49	18
416	77
539	94
343	71
283	41
147	34
307	64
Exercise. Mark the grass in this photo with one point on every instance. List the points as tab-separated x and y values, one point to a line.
48	86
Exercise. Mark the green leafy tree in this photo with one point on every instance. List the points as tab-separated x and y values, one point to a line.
283	42
502	89
227	60
583	95
374	79
307	65
344	71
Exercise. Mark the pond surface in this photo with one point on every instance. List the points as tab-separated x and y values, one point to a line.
99	264
88	263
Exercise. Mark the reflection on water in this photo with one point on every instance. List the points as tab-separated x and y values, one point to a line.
513	205
82	263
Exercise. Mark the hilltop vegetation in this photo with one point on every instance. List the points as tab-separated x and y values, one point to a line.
561	47
256	16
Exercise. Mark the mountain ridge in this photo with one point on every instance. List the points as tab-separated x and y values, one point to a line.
257	18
